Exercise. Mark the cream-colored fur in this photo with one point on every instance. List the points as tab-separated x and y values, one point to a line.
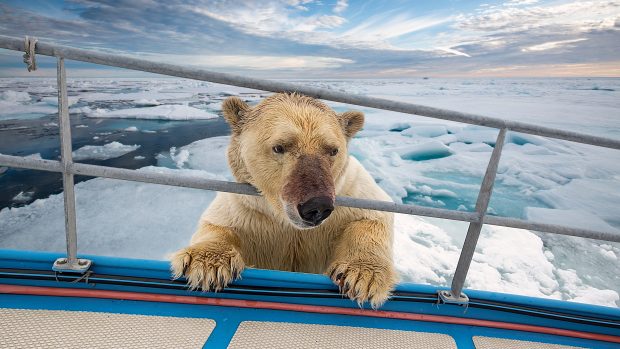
352	246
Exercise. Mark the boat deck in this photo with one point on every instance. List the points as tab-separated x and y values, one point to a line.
35	328
134	304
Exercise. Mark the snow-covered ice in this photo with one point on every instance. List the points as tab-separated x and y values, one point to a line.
103	152
101	205
426	151
160	112
13	96
572	218
18	104
23	197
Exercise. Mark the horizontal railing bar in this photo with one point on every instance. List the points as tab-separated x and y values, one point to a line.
30	163
182	180
406	209
551	228
279	86
176	180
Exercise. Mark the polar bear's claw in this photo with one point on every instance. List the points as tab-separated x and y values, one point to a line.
364	281
209	266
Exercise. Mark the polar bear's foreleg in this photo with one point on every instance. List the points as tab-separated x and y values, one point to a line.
362	264
212	261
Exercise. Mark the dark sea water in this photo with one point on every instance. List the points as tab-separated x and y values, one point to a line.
40	136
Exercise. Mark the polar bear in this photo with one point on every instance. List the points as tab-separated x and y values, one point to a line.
293	149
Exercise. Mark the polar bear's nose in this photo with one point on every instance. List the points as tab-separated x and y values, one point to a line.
316	209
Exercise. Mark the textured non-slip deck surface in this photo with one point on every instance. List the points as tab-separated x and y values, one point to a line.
502	343
272	335
20	328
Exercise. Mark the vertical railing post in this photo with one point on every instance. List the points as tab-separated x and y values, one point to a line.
71	263
469	246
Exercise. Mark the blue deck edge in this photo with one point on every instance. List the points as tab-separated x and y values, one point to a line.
161	269
414	298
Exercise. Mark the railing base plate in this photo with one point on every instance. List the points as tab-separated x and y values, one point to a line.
448	298
81	266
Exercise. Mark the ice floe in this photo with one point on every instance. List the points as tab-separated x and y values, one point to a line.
19	105
14	96
160	112
103	152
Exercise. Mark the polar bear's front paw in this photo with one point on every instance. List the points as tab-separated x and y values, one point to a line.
210	266
363	281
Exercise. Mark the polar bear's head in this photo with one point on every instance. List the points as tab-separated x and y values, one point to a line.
293	149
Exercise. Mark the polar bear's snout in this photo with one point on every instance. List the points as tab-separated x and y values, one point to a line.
316	210
309	192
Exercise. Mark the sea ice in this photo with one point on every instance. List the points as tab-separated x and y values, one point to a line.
425	130
23	197
53	100
141	98
572	218
426	151
111	218
103	152
208	154
16	105
160	112
442	163
14	96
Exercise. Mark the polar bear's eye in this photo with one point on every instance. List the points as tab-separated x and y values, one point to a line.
278	149
333	152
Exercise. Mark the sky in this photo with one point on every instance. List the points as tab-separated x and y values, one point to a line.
329	38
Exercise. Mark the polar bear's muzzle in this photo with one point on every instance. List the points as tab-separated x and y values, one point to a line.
316	210
309	192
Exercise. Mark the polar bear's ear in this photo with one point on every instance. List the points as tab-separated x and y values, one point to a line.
351	121
234	111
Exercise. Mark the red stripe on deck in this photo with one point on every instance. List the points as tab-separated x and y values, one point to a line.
240	303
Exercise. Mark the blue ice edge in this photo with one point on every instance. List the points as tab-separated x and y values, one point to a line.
34	260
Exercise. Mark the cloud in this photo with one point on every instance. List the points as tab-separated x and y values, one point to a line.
267	18
520	2
576	16
454	52
252	61
386	26
274	18
551	45
282	38
341	5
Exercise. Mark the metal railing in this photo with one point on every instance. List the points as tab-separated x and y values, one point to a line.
476	219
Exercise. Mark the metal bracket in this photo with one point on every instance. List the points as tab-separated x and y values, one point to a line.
447	297
80	266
